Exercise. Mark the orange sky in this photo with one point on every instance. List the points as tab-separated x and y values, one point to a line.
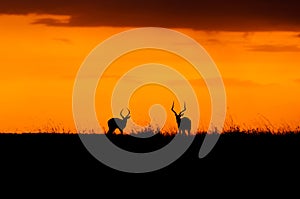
39	64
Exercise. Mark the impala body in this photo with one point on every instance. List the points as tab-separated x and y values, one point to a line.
117	123
183	123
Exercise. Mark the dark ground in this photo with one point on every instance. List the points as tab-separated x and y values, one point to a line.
238	160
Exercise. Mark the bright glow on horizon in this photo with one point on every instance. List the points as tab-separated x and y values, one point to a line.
39	63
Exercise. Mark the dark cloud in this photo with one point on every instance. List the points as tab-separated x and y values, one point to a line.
51	22
233	15
275	48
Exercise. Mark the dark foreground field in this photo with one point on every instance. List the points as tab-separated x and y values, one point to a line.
237	160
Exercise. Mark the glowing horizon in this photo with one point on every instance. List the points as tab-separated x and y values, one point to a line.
39	65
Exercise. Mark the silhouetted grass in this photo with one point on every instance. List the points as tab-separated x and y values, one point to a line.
240	157
235	143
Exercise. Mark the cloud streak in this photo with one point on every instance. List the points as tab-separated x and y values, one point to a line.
275	48
51	22
228	82
64	40
234	82
297	81
230	15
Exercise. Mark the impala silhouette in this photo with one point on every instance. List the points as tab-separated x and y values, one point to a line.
117	123
183	123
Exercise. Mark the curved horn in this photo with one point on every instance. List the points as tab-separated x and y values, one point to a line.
184	109
122	114
173	109
128	112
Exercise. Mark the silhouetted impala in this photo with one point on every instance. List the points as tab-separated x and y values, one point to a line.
117	123
184	124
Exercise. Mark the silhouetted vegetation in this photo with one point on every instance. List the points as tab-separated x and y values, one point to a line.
240	156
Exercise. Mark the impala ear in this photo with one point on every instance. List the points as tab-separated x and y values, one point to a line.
181	114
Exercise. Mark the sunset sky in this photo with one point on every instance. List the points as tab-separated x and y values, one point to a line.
255	44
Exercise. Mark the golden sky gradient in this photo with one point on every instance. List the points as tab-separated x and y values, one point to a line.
39	63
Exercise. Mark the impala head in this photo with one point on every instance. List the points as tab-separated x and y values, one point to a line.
178	115
125	117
